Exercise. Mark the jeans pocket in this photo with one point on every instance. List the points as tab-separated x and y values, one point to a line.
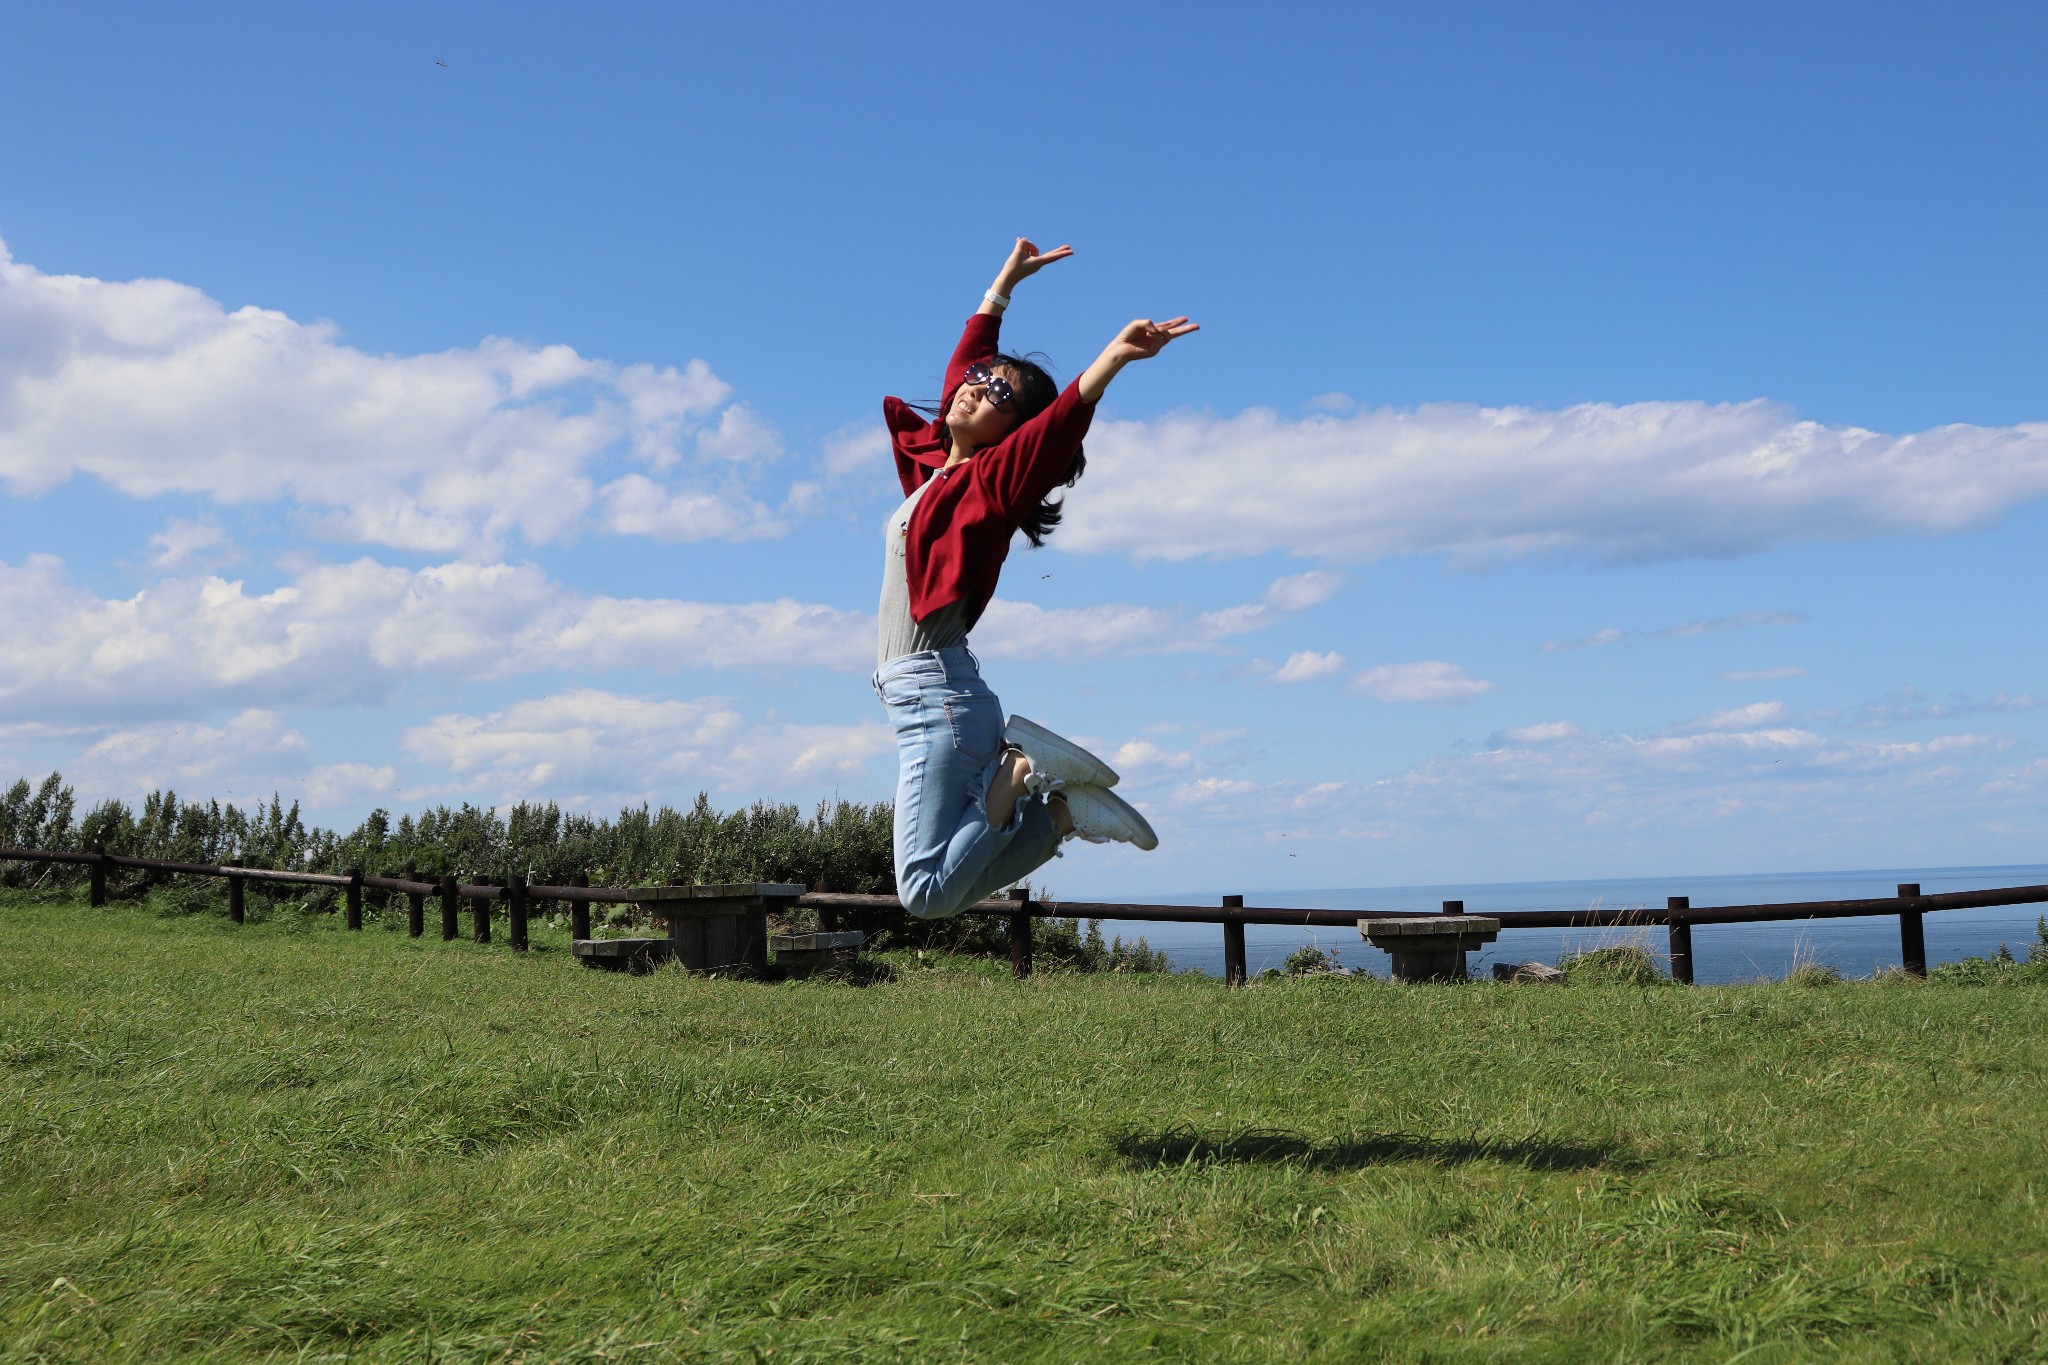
976	720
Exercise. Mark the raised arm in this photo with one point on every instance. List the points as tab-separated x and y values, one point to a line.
1024	468
1025	261
979	340
1140	340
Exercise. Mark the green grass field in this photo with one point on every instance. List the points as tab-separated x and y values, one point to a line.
288	1142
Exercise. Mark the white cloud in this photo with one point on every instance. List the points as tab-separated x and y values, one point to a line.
635	505
1635	482
192	543
1544	732
1553	799
588	749
1740	621
1305	665
1738	718
1749	675
1141	762
1023	630
1912	704
1432	682
1612	635
152	388
352	633
1299	592
348	786
1606	636
664	405
238	760
857	449
741	436
591	747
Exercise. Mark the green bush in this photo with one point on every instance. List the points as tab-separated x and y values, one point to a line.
1308	961
2000	969
1078	946
1623	964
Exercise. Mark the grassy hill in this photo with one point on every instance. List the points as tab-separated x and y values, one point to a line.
284	1141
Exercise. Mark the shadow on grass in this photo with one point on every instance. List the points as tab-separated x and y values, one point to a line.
1186	1146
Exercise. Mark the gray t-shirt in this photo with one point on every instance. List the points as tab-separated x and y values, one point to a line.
897	633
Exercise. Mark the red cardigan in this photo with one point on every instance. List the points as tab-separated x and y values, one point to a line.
960	530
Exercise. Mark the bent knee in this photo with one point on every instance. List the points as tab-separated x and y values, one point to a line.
921	899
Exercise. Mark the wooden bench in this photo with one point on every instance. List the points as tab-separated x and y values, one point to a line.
710	928
1429	948
804	954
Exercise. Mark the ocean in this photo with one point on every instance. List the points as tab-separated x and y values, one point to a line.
1722	953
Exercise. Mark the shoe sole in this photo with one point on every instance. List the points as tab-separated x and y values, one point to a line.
1027	735
1146	838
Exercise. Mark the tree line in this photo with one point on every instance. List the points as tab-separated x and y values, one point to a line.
836	846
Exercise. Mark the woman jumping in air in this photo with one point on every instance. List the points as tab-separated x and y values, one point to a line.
980	805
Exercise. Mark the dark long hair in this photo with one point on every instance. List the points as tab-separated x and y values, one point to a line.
1035	391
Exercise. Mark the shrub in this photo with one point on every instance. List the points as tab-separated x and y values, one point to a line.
1625	964
1309	960
2000	969
1078	946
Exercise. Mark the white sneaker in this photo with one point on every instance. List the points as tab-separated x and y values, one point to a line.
1100	815
1055	762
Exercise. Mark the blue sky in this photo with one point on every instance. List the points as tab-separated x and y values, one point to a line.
1616	443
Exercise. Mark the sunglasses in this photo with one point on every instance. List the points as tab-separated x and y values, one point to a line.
998	388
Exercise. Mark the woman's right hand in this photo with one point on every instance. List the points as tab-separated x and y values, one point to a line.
1026	261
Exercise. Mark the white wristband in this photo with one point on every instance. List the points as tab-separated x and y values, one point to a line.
1001	301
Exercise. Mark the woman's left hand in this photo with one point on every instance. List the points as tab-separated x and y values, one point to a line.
1140	340
1143	339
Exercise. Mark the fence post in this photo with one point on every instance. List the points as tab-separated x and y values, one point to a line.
579	911
96	874
415	906
1681	939
235	908
1454	907
828	919
1233	944
515	910
1020	935
480	915
355	898
1912	932
451	909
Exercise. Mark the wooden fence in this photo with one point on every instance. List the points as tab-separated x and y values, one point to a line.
1677	917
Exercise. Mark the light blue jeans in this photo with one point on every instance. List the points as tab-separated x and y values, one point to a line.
949	738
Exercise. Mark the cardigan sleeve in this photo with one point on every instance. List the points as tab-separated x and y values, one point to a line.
1022	469
913	437
979	340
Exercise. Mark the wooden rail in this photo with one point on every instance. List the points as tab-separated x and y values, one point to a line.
1677	916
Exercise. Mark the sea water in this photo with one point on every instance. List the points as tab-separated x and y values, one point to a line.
1722	953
